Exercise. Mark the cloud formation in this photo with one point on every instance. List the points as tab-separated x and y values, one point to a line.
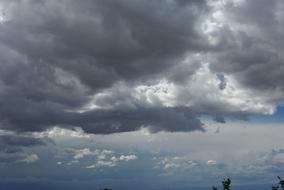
119	66
12	148
100	158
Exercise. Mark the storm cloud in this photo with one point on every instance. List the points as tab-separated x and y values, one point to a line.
119	66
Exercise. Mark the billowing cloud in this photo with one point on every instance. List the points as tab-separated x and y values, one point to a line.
61	53
119	66
250	36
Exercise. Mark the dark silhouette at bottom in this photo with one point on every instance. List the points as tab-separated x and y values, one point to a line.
227	184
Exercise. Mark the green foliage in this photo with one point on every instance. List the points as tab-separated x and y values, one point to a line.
281	182
214	188
226	184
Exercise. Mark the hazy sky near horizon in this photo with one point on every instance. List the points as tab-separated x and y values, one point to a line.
136	93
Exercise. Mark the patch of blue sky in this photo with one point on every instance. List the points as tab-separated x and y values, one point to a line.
277	117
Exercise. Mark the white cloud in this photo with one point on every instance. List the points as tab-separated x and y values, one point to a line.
128	157
202	90
103	158
81	153
59	133
102	163
111	159
175	163
124	158
211	162
30	158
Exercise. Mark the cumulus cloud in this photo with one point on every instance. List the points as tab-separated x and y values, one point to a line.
124	158
83	152
110	160
211	162
247	163
60	53
30	158
254	57
61	133
175	163
119	66
98	158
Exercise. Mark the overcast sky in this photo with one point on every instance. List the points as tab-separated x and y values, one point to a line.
141	94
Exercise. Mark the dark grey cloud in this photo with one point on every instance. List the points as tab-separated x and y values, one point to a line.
101	42
56	56
154	119
37	118
13	148
256	44
19	141
222	84
256	66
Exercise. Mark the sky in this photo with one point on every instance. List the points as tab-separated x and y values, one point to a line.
140	94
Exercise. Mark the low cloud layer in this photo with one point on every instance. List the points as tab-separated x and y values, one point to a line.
12	148
119	66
